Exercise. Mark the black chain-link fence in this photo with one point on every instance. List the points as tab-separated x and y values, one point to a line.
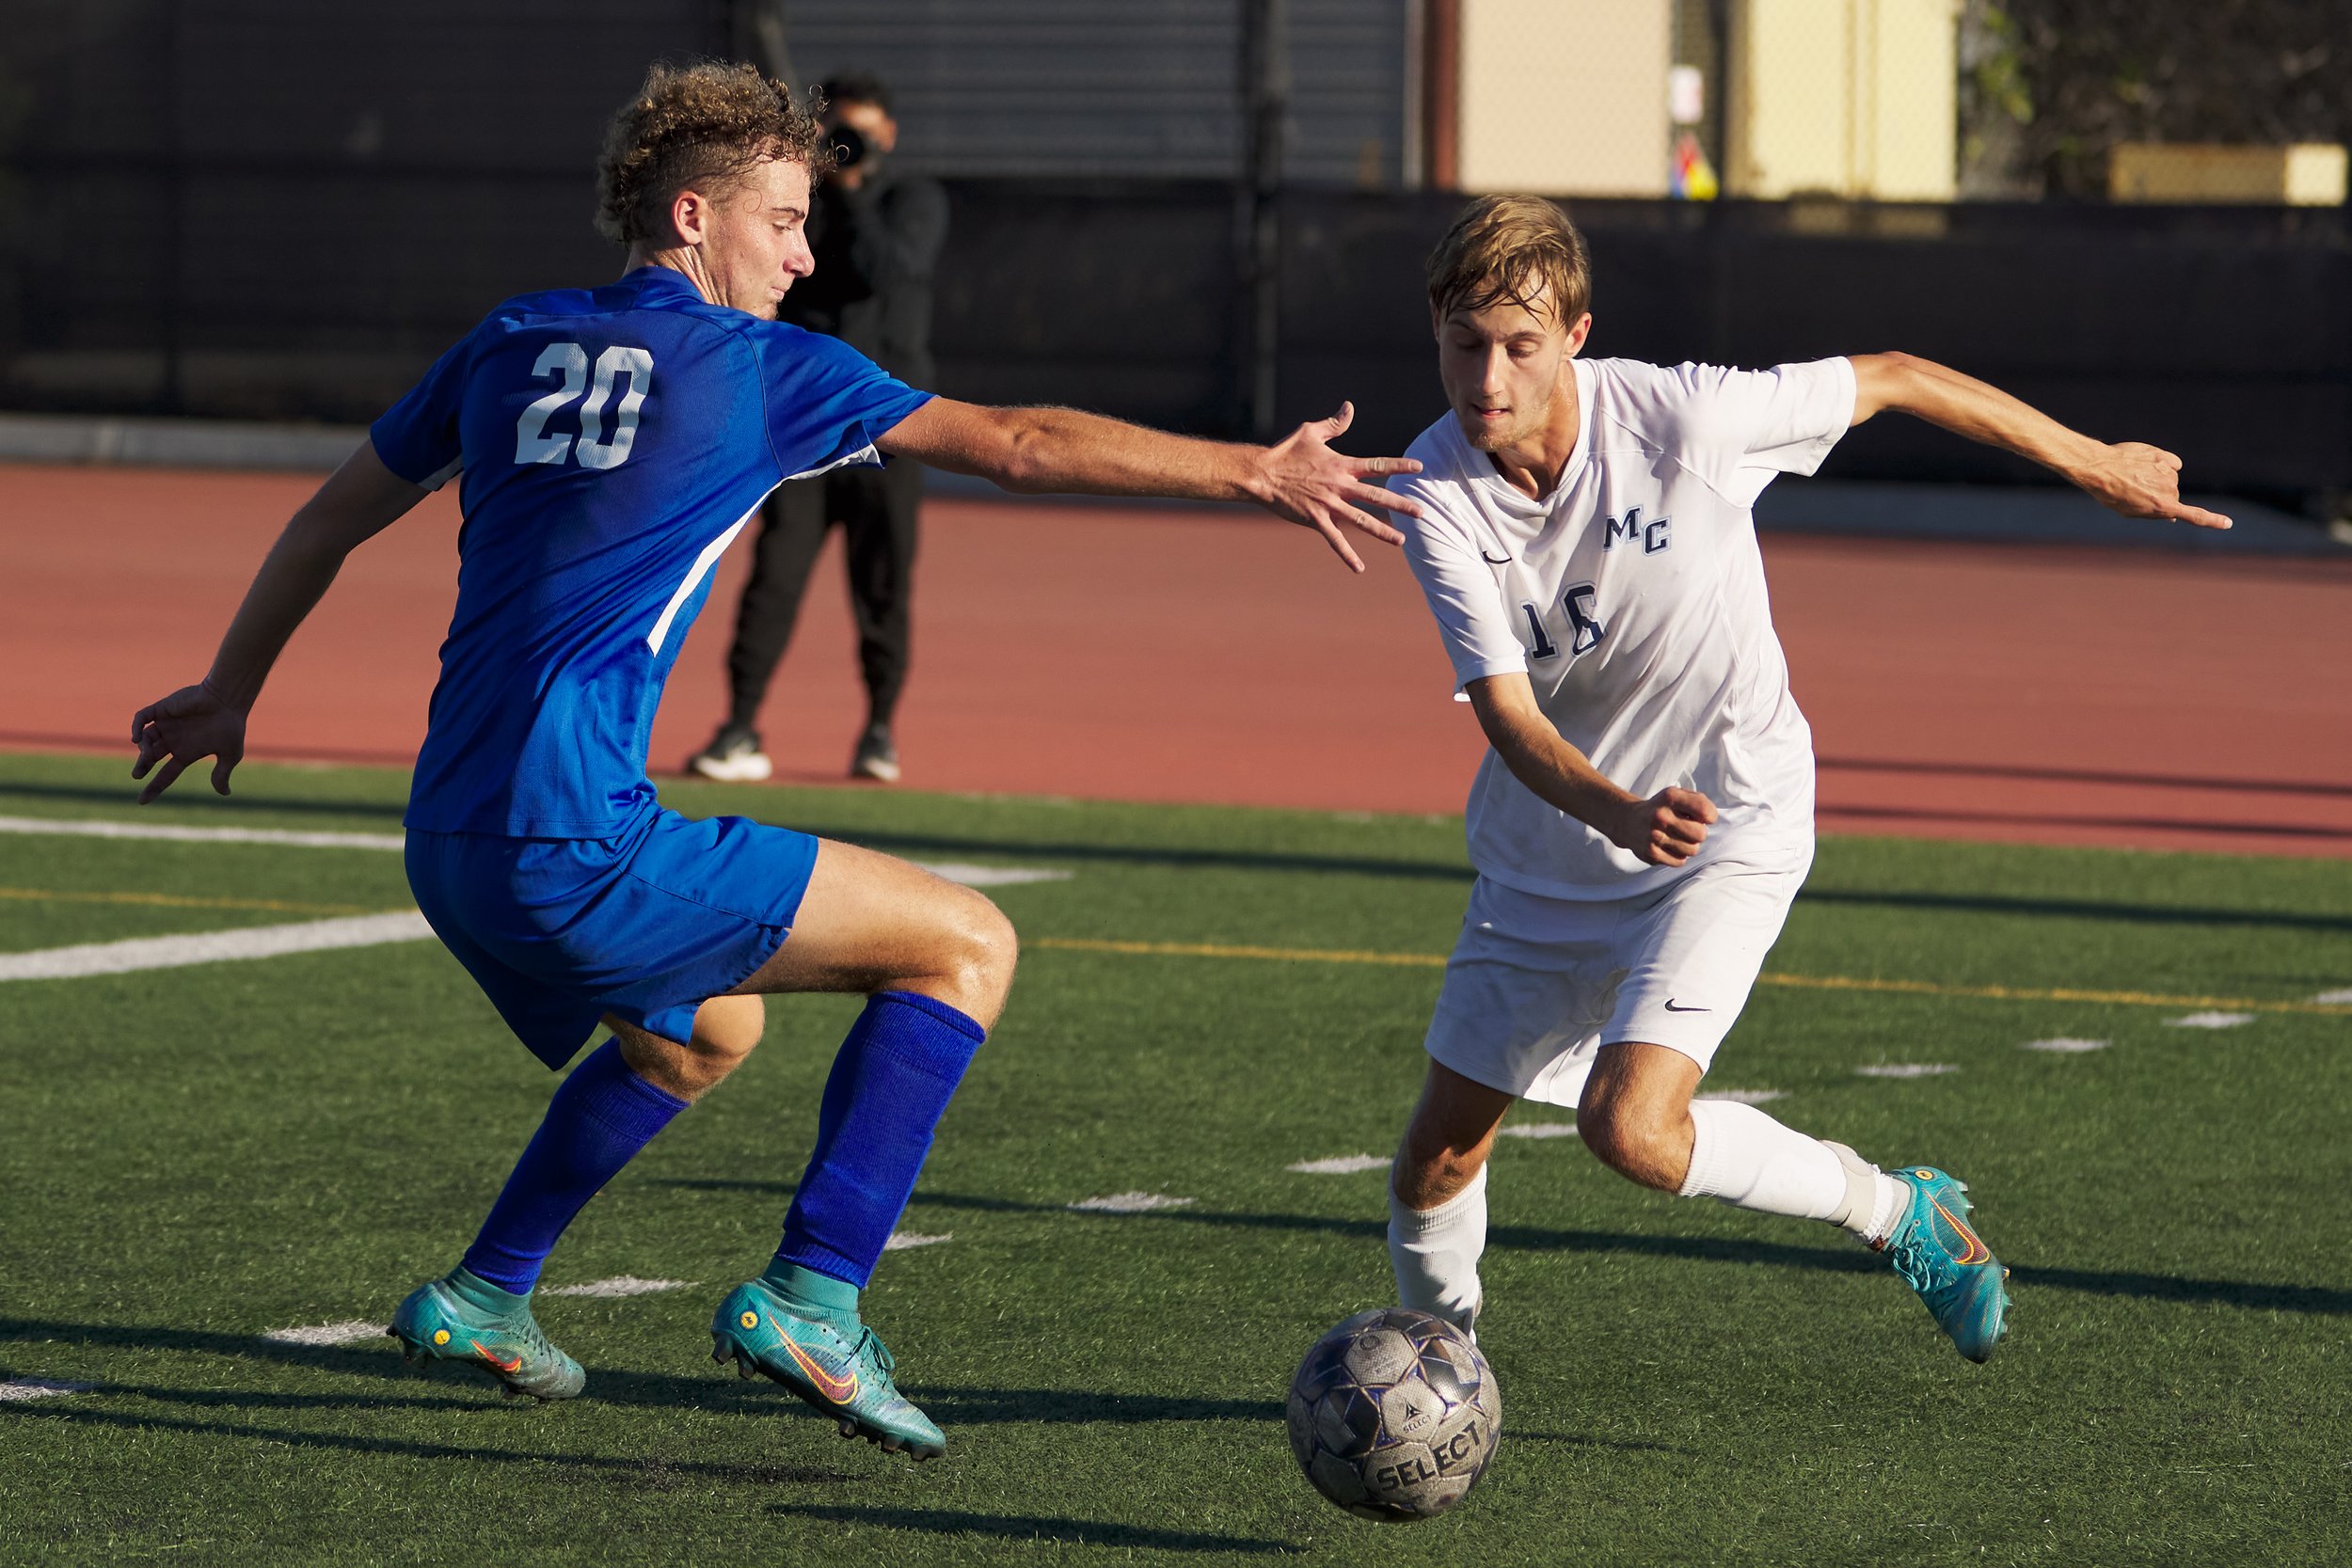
274	209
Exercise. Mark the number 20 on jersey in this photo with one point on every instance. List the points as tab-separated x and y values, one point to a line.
591	445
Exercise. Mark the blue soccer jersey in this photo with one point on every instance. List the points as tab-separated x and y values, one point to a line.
613	442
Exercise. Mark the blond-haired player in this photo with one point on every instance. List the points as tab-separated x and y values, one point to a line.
1644	816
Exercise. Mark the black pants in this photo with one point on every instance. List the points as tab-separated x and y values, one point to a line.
876	509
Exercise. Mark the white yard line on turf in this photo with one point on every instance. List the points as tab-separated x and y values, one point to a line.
38	1389
343	1333
1129	1203
253	942
2334	998
2063	1045
954	871
1540	1129
1906	1069
299	838
992	876
1745	1096
901	1240
2211	1021
620	1285
1340	1165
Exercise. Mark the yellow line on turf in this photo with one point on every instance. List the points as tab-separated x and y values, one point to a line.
1807	982
175	901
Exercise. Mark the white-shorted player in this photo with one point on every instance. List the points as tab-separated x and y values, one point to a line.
1644	817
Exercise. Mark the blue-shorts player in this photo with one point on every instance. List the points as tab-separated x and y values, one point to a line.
608	444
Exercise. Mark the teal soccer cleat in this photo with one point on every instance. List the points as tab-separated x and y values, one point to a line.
466	1319
1938	1256
840	1369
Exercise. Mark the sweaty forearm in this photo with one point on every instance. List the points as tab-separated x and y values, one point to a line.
1062	449
1560	775
1982	412
293	578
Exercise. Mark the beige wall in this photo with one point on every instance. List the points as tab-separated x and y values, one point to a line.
1849	98
1564	97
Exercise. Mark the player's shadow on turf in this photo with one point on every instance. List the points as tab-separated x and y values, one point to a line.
1039	1527
2318	1299
955	1408
660	1474
244	802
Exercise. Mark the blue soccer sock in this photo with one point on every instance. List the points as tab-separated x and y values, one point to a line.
598	1121
889	1086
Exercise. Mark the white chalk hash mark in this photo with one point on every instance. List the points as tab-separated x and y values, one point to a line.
327	1334
901	1240
620	1285
1540	1129
1129	1203
2064	1046
253	942
2210	1020
992	876
1340	1165
1745	1096
38	1389
2335	998
1907	1069
307	840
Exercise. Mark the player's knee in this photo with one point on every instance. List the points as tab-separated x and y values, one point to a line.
728	1028
1634	1140
979	951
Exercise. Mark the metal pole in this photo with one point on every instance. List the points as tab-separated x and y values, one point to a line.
1265	84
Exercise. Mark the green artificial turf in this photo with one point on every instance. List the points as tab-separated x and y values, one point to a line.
191	1158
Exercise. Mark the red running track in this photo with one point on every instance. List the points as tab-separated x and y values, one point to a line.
2030	694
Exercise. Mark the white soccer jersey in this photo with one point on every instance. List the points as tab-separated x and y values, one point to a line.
1633	597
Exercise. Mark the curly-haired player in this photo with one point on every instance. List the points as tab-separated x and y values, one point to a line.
611	441
1644	815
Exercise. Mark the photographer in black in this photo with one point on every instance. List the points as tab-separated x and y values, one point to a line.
877	235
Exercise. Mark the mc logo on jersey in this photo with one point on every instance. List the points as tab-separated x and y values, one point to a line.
1655	534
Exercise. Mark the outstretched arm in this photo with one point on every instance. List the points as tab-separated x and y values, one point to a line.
2134	479
1040	450
1665	829
207	719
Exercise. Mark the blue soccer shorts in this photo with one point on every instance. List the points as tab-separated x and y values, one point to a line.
646	926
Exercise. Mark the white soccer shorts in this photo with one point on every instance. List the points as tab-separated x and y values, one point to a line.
1538	985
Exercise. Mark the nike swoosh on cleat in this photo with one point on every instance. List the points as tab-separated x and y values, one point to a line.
840	1390
1977	1251
513	1366
1673	1006
1491	560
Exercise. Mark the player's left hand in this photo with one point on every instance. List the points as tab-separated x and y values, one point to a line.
192	723
1304	481
2142	481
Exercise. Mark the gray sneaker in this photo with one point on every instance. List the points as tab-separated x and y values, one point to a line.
876	757
733	757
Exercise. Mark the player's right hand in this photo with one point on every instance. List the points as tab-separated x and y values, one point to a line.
1667	828
1304	481
192	723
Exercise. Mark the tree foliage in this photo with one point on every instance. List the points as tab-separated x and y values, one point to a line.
2051	84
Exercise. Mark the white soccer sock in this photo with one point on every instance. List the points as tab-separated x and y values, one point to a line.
1435	1251
1746	1159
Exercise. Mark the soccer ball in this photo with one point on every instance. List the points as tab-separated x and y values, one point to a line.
1393	1415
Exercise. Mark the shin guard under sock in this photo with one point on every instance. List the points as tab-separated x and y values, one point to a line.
1435	1251
598	1121
889	1086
